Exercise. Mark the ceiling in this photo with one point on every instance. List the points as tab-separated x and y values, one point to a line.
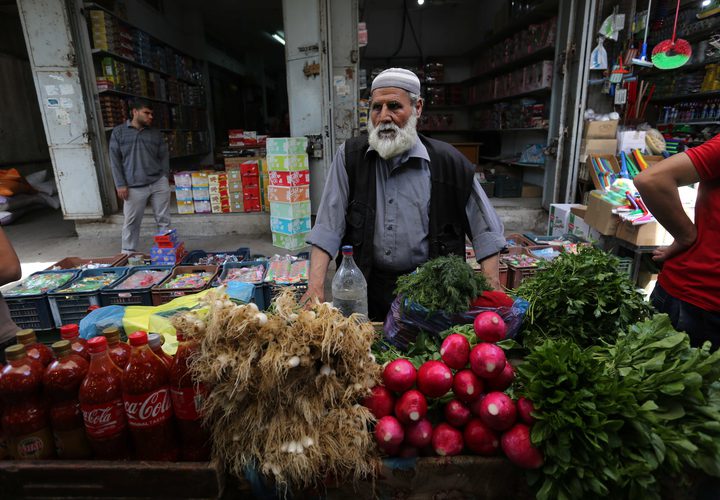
243	27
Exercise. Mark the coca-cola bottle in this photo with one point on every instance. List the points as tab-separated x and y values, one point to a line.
25	417
187	398
78	345
146	393
119	351
35	350
102	406
156	341
62	381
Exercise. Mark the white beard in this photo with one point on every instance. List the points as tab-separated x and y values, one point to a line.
403	139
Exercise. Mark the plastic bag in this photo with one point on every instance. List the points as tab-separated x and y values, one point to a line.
598	57
406	319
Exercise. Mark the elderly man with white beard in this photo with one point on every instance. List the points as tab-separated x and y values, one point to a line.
400	199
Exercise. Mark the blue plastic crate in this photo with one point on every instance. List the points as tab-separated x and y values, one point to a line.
71	307
110	296
259	296
33	311
193	258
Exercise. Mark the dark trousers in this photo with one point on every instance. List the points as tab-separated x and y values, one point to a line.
699	324
381	292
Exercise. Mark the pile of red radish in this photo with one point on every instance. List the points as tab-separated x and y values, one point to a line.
480	418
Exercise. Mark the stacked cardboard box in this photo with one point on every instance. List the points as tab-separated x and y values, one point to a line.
184	193
234	179
219	194
250	178
167	250
201	192
288	191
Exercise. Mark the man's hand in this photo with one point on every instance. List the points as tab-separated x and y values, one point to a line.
662	254
122	193
313	292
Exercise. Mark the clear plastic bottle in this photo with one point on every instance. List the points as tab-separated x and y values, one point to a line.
349	288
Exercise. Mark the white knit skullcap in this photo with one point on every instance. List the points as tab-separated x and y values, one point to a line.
399	78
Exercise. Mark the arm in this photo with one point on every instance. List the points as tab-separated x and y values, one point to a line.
486	232
9	263
329	228
116	165
658	186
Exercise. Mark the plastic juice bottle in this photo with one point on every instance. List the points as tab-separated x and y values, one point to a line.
78	345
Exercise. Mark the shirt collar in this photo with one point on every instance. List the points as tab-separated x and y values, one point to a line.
417	151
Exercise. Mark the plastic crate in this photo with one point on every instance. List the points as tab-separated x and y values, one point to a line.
519	240
259	296
516	275
192	258
33	311
503	273
507	186
163	296
79	262
131	297
272	288
71	307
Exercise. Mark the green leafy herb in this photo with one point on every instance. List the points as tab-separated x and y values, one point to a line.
446	284
614	420
582	297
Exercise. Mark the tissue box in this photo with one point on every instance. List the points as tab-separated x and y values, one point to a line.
289	194
290	210
286	145
288	241
290	226
288	163
286	179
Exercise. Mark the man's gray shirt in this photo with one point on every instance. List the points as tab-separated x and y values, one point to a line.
402	219
138	157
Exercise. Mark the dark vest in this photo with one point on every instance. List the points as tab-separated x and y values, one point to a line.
451	180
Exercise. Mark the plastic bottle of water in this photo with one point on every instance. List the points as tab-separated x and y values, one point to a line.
349	288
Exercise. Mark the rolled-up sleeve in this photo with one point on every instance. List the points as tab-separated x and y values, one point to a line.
329	226
486	227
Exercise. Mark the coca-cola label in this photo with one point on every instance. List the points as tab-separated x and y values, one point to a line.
187	402
105	419
149	409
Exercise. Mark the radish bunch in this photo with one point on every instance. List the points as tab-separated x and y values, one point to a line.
477	417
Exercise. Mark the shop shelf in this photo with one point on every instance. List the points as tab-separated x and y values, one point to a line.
164	295
134	297
538	55
71	307
33	311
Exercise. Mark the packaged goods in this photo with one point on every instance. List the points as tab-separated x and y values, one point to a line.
62	381
189	280
287	269
250	274
101	403
146	394
142	279
25	418
39	283
90	283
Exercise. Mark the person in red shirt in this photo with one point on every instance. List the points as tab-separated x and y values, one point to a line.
688	287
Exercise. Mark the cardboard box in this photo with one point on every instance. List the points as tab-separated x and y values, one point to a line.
599	215
631	139
290	210
531	191
237	207
579	210
183	194
601	130
250	169
289	242
607	162
288	163
186	207
234	162
301	178
183	179
251	192
645	235
202	206
201	193
597	147
290	226
646	281
558	218
235	186
289	194
200	179
286	145
252	204
577	226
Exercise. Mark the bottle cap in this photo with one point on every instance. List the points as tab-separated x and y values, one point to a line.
61	347
138	338
26	337
16	351
347	250
155	341
69	332
97	344
112	333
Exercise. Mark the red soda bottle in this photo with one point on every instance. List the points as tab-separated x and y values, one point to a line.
146	393
25	417
187	398
102	406
62	381
71	333
35	350
118	351
156	341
